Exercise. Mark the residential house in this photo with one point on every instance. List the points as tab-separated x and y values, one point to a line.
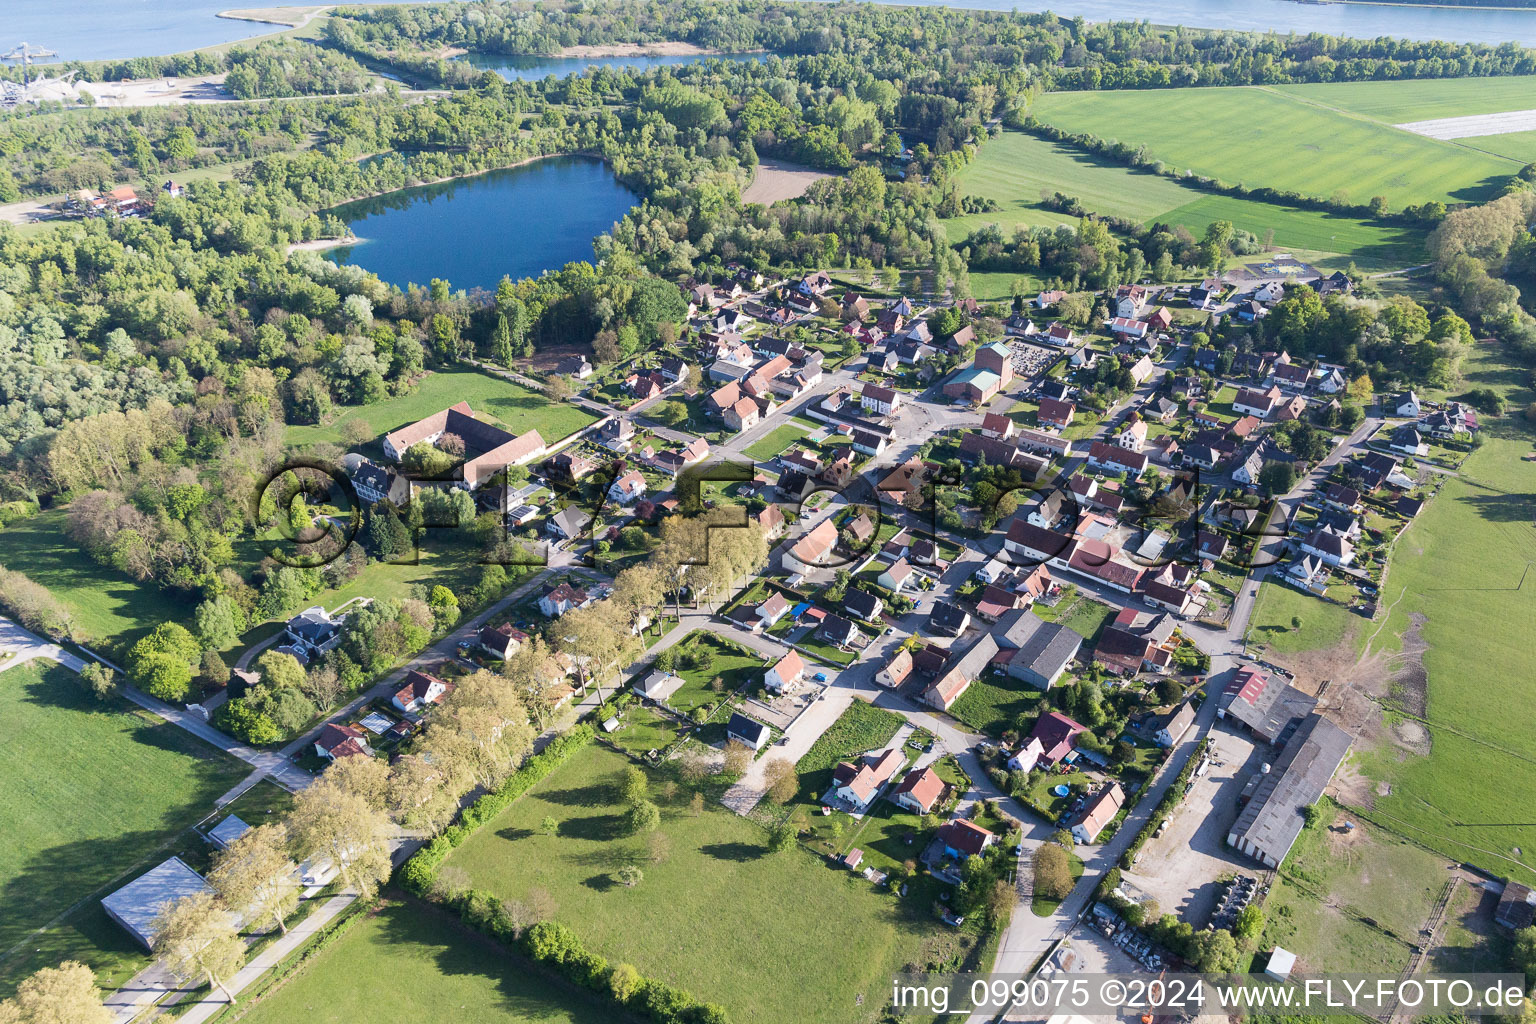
1261	404
312	632
1026	757
374	483
1060	335
867	442
771	520
1056	414
1045	511
1175	724
419	691
561	598
1162	409
896	671
569	523
1133	436
1048	299
1211	545
897	576
627	488
617	434
854	784
838	631
1057	735
948	619
1129	301
752	733
1136	641
1032	544
338	741
881	401
785	674
1406	404
1019	325
1129	328
501	641
962	838
1407	440
854	306
1331	382
1111	458
863	604
769	612
1101	810
812	549
1329	546
997	426
920	790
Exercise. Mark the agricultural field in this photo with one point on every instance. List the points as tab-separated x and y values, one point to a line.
1461	611
1420	99
1259	136
403	965
1352	900
1017	169
708	914
107	605
496	399
95	792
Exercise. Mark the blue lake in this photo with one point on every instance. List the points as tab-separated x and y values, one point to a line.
516	222
531	69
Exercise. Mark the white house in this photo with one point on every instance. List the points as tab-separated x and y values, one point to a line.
559	599
897	576
627	488
772	610
1133	436
1027	757
784	674
419	691
1407	404
880	400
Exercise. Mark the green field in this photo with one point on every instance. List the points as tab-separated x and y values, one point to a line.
406	964
107	605
709	917
1352	901
1016	169
94	794
995	704
1420	99
517	408
1259	136
776	440
1322	624
1460	574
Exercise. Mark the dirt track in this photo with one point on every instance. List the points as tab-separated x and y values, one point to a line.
1473	125
777	179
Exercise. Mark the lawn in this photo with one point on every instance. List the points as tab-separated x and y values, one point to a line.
406	964
1323	624
95	793
859	728
993	704
497	399
735	666
107	606
1016	169
777	440
1460	573
1352	901
1258	136
709	915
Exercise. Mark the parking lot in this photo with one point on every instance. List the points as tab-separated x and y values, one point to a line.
1180	869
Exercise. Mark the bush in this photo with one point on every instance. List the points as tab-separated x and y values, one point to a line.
1053	872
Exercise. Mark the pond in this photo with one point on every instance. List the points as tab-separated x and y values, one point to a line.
518	222
520	68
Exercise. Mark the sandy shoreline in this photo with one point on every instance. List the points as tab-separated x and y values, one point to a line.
322	244
286	17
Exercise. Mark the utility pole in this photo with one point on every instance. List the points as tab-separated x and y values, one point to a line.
25	53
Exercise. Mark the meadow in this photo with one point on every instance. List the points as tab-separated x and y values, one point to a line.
1352	901
95	793
493	398
708	915
406	964
1017	169
778	439
1459	574
1322	624
107	605
1257	136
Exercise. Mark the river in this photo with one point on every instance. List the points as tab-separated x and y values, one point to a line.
519	221
111	29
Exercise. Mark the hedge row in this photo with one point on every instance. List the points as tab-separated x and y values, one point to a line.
417	874
548	942
1171	799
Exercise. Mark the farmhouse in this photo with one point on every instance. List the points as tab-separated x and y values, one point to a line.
959	673
1272	818
1101	810
1264	703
